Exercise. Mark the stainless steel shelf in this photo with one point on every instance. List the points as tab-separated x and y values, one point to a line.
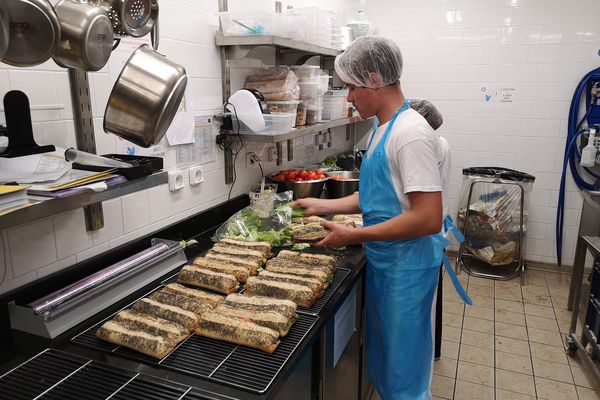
299	132
268	40
48	207
593	244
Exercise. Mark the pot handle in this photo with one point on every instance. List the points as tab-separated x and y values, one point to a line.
154	36
116	43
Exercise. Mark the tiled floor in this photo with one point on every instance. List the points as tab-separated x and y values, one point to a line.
508	345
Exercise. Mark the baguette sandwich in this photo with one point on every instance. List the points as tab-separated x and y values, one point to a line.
117	333
307	220
183	302
312	232
261	303
200	295
240	252
284	266
171	313
238	331
314	284
252	264
153	325
267	318
265	247
347	217
217	281
308	258
241	272
299	294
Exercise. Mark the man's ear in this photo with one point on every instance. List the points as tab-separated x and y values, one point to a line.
376	80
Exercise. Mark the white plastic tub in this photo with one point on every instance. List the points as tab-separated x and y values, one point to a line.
308	90
288	107
305	73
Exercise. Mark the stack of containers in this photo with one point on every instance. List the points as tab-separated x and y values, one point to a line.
318	25
335	105
309	82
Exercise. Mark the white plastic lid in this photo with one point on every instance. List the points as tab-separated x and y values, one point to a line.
309	67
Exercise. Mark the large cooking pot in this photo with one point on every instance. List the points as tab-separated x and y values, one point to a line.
130	17
86	35
3	28
34	32
342	183
145	97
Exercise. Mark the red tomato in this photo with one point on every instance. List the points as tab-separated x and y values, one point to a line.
291	175
304	174
312	176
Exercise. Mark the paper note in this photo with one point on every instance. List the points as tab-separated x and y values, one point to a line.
202	150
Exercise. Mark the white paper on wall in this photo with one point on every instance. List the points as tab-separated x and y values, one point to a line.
202	150
182	128
126	147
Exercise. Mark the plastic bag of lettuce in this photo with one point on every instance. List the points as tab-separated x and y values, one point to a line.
267	220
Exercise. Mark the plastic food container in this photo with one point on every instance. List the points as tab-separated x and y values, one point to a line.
288	107
274	122
305	73
301	114
308	90
312	114
248	23
268	190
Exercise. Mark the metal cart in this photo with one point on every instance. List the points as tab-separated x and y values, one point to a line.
465	259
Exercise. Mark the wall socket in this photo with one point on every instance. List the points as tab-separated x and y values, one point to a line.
252	159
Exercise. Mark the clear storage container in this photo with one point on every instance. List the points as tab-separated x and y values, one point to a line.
248	23
301	114
288	107
274	123
312	114
305	73
308	90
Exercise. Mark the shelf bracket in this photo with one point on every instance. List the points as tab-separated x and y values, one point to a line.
279	148
290	149
84	134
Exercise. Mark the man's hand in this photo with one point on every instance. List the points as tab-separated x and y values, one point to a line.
339	235
311	206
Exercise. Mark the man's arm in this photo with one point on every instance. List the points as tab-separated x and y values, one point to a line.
423	219
344	205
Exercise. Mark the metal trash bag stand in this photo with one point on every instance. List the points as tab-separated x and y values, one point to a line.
462	251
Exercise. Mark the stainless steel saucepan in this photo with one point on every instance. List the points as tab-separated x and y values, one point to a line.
34	32
86	35
145	97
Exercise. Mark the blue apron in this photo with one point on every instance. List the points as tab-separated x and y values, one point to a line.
402	278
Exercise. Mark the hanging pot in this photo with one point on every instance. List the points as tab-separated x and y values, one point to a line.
145	97
130	17
86	35
3	28
34	32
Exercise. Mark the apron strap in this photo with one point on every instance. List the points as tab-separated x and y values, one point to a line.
450	227
459	289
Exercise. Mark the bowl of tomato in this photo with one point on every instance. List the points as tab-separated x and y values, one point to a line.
342	183
303	182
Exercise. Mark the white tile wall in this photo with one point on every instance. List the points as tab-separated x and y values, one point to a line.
452	48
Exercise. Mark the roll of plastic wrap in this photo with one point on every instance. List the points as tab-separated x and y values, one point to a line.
53	300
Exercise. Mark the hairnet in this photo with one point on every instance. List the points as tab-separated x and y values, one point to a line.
428	111
370	55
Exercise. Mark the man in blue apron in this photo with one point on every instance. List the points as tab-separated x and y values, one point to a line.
401	201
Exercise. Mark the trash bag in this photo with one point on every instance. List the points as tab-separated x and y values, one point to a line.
492	222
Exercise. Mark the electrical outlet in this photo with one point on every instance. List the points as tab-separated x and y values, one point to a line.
251	159
196	175
272	153
177	179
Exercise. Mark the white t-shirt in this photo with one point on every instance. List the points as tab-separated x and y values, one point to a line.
419	158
